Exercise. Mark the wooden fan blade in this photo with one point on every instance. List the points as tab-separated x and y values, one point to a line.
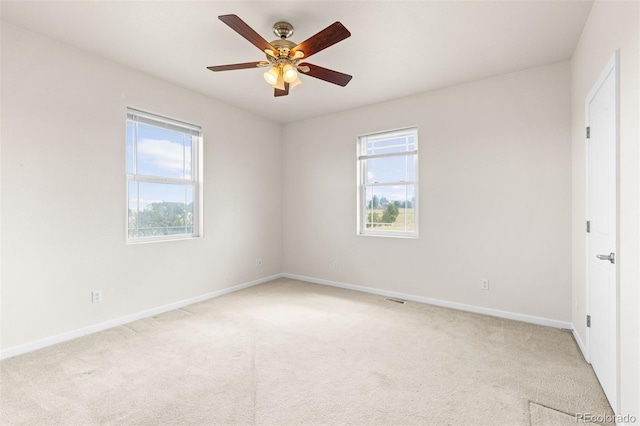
326	74
328	37
235	66
241	27
278	92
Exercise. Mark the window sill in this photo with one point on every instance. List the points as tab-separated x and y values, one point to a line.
407	237
161	240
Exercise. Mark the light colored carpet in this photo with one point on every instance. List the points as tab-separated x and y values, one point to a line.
289	352
544	416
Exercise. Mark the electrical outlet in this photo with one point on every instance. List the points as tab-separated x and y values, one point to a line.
484	284
96	296
258	263
334	265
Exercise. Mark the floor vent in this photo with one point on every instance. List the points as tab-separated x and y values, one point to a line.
391	299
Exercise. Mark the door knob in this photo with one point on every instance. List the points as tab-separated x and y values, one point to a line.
610	257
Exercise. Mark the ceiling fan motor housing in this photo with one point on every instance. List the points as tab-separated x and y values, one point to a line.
284	47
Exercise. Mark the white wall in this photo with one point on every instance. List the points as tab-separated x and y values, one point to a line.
495	194
63	193
611	26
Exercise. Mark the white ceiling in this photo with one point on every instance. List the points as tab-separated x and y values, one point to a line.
397	48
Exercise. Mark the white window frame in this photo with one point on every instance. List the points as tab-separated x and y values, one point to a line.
196	173
362	158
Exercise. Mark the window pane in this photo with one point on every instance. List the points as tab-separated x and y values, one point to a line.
411	143
160	152
387	145
130	142
188	153
390	169
407	210
189	220
411	168
133	209
372	209
164	209
390	208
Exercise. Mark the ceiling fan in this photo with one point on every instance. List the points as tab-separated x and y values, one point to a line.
284	58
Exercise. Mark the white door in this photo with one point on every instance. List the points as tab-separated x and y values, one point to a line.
601	110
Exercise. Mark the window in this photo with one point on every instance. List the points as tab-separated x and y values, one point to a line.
163	190
388	183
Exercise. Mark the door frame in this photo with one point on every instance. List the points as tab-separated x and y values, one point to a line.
612	67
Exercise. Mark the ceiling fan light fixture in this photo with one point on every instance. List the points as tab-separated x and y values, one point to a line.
279	84
296	82
272	75
289	73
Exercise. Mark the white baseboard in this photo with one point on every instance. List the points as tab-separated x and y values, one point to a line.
581	345
73	334
437	302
